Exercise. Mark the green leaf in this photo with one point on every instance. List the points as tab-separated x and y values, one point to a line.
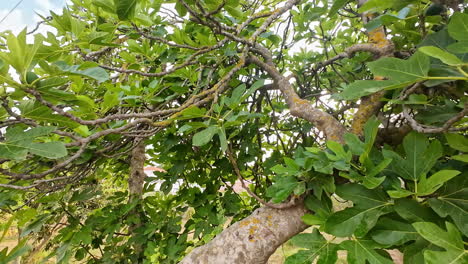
360	251
282	188
192	126
416	99
452	200
44	115
440	39
322	207
354	143
413	211
337	5
97	73
51	150
338	149
111	99
125	9
458	26
450	240
21	54
222	139
426	187
354	220
440	54
438	114
400	193
83	236
291	168
192	112
414	252
459	47
371	128
317	247
181	10
19	143
234	11
373	182
106	5
35	225
63	253
411	70
420	156
377	169
362	88
361	196
235	99
458	142
203	137
391	232
462	157
312	219
84	195
401	73
20	249
376	5
387	19
255	86
6	227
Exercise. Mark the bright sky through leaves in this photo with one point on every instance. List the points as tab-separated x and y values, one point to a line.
25	14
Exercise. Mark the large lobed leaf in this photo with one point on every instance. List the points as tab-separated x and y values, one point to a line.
19	143
452	200
400	73
450	240
317	248
125	9
420	156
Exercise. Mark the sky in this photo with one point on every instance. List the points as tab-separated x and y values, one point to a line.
25	14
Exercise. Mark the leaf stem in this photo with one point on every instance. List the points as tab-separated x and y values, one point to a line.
447	78
460	69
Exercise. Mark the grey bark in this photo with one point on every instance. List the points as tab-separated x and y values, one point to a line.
251	240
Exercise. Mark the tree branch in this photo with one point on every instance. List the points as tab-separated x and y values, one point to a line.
325	122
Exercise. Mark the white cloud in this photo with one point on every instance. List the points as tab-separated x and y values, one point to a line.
15	22
45	6
18	20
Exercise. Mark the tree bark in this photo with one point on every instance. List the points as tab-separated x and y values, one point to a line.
251	240
137	175
136	182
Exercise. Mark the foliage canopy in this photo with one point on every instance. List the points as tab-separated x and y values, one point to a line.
307	101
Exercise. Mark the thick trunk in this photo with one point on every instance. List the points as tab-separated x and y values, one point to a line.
136	182
251	240
137	171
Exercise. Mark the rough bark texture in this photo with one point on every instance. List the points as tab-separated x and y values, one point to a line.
251	240
137	171
136	181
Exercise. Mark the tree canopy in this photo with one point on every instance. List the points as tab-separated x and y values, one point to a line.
305	104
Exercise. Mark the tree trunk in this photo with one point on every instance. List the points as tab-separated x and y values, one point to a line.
251	240
137	175
136	182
